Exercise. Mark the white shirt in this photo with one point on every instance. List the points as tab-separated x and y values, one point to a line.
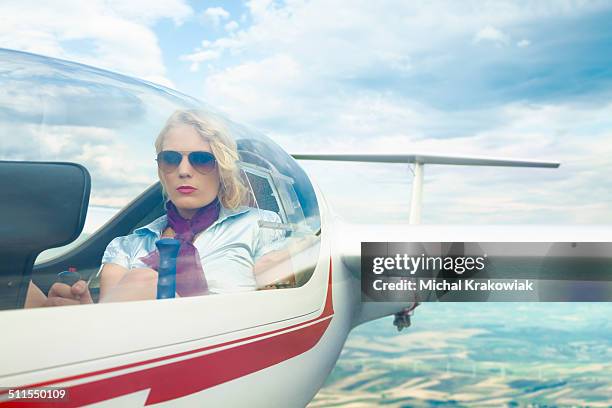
228	249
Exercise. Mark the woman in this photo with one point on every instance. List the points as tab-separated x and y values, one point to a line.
220	237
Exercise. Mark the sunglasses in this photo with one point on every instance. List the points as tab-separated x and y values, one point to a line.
169	160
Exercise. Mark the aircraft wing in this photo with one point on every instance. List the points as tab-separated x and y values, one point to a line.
428	159
420	160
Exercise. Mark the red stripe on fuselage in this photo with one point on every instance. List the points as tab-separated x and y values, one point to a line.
181	378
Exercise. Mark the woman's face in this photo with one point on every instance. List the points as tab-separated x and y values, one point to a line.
188	189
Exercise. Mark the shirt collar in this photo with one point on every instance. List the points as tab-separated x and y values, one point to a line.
158	225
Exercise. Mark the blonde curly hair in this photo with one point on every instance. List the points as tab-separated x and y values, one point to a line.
232	191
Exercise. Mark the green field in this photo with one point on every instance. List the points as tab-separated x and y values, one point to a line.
479	354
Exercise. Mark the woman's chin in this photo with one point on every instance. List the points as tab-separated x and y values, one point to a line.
190	203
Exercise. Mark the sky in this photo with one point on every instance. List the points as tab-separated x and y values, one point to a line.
517	79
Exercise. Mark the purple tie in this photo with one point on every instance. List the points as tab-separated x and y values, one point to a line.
190	280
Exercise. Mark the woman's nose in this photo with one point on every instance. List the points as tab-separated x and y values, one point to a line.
184	168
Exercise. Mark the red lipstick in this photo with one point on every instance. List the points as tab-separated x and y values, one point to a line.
186	189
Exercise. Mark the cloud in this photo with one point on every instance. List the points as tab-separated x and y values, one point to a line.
231	26
54	110
198	57
149	12
108	34
423	51
247	82
117	176
523	43
577	136
215	15
419	77
37	90
491	34
401	76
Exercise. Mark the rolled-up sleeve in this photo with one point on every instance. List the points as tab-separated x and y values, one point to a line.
117	252
269	239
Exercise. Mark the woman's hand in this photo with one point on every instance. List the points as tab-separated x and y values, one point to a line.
61	294
116	285
119	285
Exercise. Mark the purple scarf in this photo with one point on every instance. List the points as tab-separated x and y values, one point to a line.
190	280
